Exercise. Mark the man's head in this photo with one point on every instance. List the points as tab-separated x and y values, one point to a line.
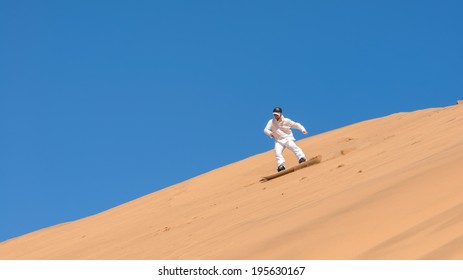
277	112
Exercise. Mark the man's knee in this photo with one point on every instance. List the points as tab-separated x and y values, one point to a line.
292	146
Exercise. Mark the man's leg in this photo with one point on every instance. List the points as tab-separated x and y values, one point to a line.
295	149
279	153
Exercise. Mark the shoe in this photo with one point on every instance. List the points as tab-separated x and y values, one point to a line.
281	167
301	160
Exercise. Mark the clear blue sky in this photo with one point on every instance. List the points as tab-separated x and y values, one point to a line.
102	102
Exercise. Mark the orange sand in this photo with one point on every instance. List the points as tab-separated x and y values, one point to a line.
388	188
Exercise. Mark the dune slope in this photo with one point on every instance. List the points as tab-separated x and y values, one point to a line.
388	188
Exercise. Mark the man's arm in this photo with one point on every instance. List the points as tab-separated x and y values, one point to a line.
267	129
297	125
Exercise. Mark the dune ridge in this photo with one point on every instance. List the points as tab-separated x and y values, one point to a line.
387	188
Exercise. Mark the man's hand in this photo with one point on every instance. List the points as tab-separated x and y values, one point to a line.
271	135
304	132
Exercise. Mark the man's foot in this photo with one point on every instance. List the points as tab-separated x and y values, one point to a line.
281	167
301	160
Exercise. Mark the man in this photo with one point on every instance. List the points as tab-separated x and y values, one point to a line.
279	128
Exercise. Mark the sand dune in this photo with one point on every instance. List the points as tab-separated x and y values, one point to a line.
388	188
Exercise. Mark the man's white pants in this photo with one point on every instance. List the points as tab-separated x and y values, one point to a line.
280	147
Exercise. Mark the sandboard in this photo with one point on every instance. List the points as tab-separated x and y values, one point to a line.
310	162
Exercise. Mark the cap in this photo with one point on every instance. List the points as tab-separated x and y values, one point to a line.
277	110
